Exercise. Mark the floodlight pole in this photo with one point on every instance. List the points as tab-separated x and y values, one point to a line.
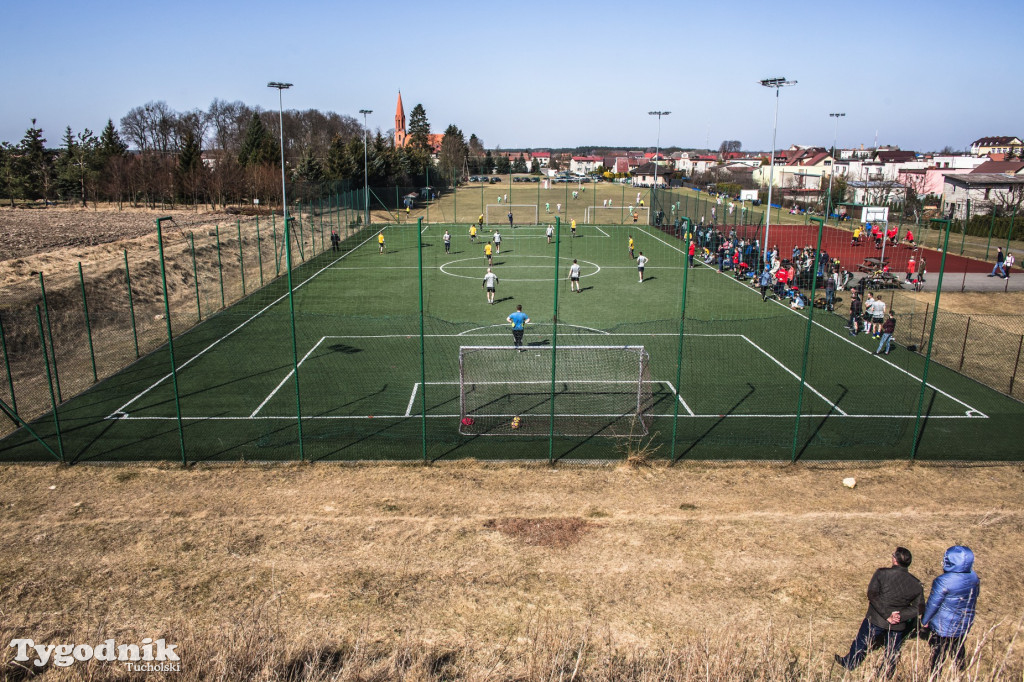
366	171
288	256
657	153
776	83
835	141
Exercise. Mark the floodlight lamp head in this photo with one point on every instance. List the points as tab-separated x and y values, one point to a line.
776	82
837	115
279	86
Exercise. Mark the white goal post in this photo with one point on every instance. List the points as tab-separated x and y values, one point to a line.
522	214
616	215
598	390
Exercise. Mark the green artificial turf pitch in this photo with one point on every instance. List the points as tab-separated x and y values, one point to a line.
362	393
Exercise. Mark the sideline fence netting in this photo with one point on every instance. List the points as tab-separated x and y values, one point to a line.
330	338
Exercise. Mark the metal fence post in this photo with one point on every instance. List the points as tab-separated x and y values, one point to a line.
924	324
807	336
679	356
1016	363
49	329
170	335
220	265
554	340
295	347
931	340
88	327
131	303
7	366
963	348
423	350
241	256
259	249
49	382
277	259
195	274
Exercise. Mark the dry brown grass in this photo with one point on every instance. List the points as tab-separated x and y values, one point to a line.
488	572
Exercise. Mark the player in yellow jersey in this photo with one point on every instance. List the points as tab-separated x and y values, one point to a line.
631	247
572	227
380	240
487	252
856	236
472	233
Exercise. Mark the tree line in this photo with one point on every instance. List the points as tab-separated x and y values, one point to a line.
227	155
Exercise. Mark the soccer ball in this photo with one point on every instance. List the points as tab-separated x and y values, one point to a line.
516	421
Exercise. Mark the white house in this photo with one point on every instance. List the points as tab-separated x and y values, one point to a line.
585	165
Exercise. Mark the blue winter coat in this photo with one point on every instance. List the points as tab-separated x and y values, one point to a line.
950	608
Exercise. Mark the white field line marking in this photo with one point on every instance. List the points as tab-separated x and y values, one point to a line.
558	414
412	399
287	377
120	410
865	350
601	231
795	376
679	397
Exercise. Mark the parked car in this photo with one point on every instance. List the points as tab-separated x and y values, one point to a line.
483	178
495	180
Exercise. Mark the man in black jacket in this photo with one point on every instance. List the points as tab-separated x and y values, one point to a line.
895	601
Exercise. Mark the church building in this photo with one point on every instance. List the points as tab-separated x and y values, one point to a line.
402	137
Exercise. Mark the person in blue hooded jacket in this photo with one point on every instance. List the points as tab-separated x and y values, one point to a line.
949	612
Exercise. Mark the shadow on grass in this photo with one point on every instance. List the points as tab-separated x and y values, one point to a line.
718	422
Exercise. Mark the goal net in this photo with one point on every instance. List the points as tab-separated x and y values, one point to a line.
522	214
599	390
616	215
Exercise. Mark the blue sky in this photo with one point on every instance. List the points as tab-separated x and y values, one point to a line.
533	74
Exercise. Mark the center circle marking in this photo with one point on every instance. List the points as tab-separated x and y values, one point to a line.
597	268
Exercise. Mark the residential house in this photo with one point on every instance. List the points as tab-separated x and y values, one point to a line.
585	165
1001	167
997	145
542	158
876	192
797	168
644	176
984	192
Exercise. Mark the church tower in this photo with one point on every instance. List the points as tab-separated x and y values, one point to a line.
400	134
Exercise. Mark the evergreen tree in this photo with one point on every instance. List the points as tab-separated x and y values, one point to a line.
419	128
257	145
341	158
11	173
535	167
38	164
111	143
519	166
190	172
488	163
452	158
502	167
310	170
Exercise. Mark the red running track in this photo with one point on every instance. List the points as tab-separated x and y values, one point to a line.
836	241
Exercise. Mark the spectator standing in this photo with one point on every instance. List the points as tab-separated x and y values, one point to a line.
1007	264
895	600
830	292
888	329
950	610
692	250
877	318
765	282
856	308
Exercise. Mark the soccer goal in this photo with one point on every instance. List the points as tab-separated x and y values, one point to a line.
522	214
598	390
616	215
